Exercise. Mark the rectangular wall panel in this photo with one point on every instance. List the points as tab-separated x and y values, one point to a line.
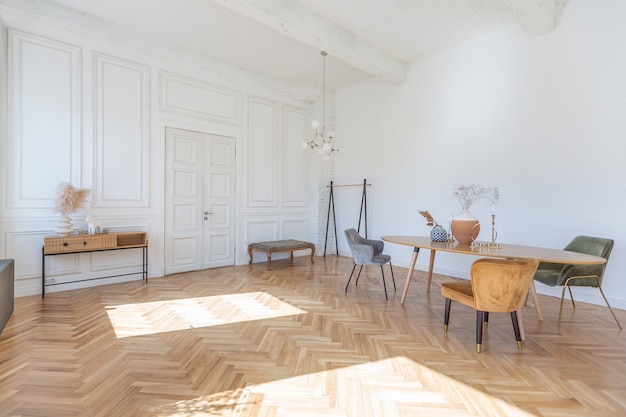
262	150
296	229
197	98
43	146
260	231
295	159
122	117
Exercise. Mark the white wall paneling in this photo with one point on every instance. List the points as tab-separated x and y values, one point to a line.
296	228
122	131
260	230
295	176
43	146
201	99
262	153
88	110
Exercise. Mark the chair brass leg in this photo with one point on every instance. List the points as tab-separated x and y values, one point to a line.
571	296
479	330
609	306
561	307
446	315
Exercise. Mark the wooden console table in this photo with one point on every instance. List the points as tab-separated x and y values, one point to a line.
62	245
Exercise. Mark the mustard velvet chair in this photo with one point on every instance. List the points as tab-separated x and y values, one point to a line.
368	252
495	286
569	276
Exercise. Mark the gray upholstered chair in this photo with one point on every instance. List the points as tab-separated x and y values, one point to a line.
368	252
569	276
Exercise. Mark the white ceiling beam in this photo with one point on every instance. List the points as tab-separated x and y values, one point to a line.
537	17
291	19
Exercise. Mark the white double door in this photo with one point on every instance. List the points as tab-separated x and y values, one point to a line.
199	200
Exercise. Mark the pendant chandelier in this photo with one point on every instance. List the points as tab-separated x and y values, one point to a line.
322	141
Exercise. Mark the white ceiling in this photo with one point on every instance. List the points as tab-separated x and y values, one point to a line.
283	38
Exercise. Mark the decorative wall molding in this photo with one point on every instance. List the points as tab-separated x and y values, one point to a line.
191	97
295	175
121	128
40	140
262	153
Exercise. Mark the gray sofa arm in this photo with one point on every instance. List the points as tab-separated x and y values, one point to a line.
7	281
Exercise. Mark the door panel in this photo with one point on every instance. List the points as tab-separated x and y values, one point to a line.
200	171
183	200
219	202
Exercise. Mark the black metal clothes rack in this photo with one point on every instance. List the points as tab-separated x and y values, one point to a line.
331	209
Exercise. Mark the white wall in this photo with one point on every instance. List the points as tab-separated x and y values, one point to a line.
86	107
543	119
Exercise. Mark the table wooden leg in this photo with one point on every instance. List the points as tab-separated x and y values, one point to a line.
533	292
269	260
416	251
430	270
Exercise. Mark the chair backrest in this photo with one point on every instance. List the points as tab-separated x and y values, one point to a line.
362	252
501	285
352	236
591	246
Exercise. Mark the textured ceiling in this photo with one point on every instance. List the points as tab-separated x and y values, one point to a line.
283	38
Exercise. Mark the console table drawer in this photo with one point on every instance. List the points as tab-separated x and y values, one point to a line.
64	244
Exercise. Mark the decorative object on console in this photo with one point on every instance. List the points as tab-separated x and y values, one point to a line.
94	226
438	233
68	199
322	141
465	226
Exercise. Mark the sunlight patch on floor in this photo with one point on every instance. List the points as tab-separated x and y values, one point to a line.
391	387
187	313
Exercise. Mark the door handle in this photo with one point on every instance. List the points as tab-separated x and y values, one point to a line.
208	212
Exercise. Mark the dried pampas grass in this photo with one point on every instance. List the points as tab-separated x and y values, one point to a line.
69	198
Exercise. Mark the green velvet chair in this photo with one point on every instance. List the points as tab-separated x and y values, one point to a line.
569	276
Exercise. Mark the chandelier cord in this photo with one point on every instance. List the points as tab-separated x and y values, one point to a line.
324	53
322	141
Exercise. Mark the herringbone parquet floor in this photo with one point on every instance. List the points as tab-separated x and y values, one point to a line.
243	341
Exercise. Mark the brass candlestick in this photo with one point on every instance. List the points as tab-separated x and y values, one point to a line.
494	236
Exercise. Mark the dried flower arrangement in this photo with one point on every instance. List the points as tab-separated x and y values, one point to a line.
69	198
468	194
430	221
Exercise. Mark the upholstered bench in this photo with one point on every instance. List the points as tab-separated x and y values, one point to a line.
279	246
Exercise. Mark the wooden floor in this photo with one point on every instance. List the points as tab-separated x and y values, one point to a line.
244	341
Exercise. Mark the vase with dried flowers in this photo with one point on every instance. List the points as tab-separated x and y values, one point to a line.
465	226
68	199
437	233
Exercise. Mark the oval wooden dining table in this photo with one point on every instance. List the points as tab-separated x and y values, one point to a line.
503	250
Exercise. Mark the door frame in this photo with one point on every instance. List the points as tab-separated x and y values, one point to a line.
158	150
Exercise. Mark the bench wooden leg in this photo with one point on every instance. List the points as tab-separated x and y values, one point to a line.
250	254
